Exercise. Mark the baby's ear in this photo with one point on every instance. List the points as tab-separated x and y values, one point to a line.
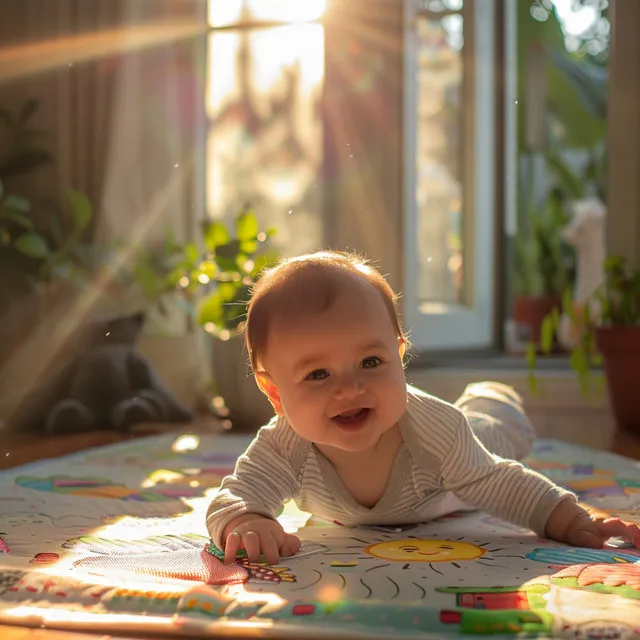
402	348
268	387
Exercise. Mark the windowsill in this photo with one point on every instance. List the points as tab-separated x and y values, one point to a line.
557	383
488	359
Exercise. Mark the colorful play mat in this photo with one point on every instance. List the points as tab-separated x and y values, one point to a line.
114	539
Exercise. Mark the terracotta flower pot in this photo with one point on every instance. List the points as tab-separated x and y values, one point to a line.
529	312
620	351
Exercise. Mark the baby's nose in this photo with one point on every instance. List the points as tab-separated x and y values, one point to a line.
349	387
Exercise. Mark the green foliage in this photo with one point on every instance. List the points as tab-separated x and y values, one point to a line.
544	264
214	283
233	263
618	303
50	237
23	154
576	85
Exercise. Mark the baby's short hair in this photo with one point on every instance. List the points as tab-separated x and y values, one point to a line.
307	285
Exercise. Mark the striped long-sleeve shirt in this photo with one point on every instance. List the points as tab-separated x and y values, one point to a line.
441	466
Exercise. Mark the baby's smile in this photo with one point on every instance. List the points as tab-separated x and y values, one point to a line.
353	418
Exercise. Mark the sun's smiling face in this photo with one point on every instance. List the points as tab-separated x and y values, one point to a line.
419	550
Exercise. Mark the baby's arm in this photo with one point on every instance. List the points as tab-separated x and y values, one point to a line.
502	487
520	495
243	511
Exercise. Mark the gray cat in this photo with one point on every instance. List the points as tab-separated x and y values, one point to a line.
110	385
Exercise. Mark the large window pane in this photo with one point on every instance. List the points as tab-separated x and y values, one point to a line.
450	137
265	138
228	12
439	193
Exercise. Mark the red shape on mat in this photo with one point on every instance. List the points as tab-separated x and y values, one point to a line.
45	558
187	564
303	609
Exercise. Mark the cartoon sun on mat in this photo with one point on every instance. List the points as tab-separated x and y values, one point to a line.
419	550
435	554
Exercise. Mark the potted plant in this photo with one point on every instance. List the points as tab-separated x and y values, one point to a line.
239	258
214	283
608	330
543	268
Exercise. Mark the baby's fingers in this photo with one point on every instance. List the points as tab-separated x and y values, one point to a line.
252	545
614	527
269	548
231	546
290	545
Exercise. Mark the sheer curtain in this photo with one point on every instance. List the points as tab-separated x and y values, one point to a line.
120	88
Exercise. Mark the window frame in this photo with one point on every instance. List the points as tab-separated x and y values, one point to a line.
470	325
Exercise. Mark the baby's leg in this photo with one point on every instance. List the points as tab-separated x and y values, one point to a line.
495	413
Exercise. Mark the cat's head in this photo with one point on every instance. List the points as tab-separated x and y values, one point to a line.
116	330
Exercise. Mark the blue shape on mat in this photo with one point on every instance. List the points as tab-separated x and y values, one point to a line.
574	555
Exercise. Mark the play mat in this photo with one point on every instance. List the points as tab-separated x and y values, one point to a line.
114	539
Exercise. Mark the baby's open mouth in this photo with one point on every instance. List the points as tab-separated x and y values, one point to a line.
353	416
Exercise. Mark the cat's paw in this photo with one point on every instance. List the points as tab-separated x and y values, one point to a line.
70	416
133	411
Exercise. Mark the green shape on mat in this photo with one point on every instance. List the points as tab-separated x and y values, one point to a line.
214	550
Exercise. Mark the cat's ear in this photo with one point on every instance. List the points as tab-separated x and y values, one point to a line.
138	319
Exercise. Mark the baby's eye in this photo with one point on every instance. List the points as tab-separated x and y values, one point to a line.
371	362
318	374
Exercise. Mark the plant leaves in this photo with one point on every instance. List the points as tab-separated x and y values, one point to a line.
32	245
249	246
215	234
546	335
25	162
208	268
226	256
28	109
566	176
80	208
17	217
192	254
533	384
210	309
247	226
588	80
16	203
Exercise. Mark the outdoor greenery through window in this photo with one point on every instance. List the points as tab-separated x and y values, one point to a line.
555	240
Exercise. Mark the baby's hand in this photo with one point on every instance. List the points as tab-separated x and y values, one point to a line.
571	523
257	535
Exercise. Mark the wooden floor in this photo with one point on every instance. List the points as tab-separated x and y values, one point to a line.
17	450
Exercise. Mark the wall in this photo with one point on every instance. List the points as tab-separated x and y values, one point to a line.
624	130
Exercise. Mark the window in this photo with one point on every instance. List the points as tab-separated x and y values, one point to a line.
264	144
449	133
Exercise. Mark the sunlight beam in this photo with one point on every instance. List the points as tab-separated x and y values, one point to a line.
37	57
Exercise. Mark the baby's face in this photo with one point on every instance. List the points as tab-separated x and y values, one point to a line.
339	374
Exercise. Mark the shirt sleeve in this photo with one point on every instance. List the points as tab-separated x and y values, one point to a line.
504	488
263	479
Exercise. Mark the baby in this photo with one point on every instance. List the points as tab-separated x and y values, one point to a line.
353	443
